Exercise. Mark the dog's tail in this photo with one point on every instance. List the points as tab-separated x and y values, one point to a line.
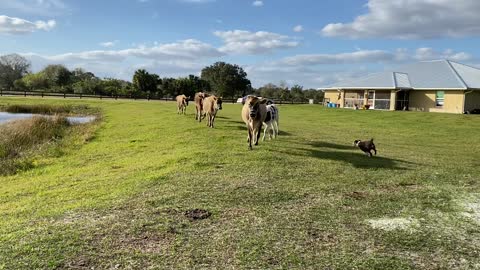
371	140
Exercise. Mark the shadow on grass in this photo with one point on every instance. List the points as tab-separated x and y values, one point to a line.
284	133
357	159
360	160
325	150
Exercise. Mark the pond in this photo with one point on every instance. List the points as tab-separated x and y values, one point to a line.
5	117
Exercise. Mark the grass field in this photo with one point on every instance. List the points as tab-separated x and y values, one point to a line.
306	200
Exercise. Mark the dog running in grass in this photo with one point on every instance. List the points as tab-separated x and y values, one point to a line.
366	146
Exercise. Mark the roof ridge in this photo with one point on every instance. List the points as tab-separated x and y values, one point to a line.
458	63
434	60
459	78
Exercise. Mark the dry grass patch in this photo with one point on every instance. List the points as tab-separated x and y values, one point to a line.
391	224
21	139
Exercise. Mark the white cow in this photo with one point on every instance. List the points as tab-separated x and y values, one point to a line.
271	122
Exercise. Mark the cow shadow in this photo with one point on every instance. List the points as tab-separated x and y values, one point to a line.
284	133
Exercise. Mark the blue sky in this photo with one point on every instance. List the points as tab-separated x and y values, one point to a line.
308	42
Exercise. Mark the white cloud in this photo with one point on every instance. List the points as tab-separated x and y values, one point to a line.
109	44
412	19
40	7
373	56
314	70
298	28
171	59
16	26
257	3
186	49
430	54
341	58
246	42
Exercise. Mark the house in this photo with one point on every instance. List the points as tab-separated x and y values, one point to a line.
430	86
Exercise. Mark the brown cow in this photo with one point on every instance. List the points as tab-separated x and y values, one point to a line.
254	113
199	106
182	103
211	105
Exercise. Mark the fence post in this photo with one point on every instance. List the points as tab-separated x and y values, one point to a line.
25	93
42	94
1	92
148	97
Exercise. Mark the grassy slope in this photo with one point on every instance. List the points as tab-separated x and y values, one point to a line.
299	201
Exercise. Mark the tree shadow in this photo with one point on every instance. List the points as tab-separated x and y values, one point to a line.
358	160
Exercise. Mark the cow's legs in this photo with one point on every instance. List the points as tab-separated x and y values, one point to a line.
259	130
250	133
213	119
275	129
265	131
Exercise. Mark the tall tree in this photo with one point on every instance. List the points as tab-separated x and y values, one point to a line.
297	92
58	76
12	67
35	81
226	79
144	81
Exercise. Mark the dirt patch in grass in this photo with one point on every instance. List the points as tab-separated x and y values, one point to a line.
391	224
357	195
197	214
147	242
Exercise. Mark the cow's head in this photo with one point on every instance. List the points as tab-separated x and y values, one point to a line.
253	104
186	100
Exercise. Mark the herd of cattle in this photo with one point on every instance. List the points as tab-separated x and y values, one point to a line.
255	113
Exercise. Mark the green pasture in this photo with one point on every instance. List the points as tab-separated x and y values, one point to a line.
116	199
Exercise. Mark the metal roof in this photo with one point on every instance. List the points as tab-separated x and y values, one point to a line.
438	74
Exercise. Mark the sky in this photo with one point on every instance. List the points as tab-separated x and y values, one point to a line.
312	43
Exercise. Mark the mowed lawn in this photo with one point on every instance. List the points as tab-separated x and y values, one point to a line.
306	200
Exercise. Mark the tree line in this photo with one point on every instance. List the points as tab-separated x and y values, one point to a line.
223	79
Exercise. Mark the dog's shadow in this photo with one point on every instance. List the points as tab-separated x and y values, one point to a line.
332	151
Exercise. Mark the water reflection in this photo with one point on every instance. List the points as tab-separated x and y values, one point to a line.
5	117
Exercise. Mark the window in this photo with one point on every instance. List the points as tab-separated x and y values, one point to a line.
439	98
353	97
